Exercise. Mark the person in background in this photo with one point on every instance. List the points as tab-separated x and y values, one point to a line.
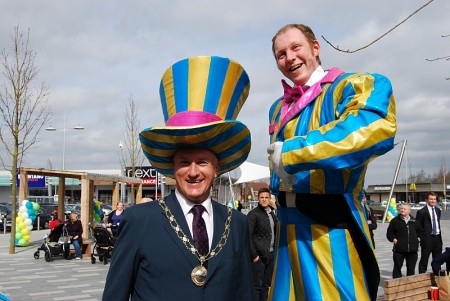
439	260
429	224
324	131
371	220
115	218
402	232
75	230
145	200
239	205
188	246
261	223
54	223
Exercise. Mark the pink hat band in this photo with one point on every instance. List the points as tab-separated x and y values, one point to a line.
192	118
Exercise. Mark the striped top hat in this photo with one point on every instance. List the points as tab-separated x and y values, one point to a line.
201	97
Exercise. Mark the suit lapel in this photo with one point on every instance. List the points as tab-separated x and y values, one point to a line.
427	212
177	212
220	216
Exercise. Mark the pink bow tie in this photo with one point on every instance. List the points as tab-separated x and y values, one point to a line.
292	94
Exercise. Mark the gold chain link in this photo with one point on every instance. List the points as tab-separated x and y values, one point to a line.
223	240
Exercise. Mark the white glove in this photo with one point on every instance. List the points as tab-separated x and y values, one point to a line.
275	150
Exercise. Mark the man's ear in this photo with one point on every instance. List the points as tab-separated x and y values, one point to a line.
316	48
217	168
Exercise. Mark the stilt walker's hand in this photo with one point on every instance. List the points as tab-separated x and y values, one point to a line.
275	151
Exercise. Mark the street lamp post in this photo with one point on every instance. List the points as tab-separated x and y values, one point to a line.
52	129
122	172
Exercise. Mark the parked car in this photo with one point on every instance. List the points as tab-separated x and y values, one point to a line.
445	204
50	209
377	210
69	208
373	204
44	219
5	211
416	206
107	209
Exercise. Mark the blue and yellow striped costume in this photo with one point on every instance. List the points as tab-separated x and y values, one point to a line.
324	250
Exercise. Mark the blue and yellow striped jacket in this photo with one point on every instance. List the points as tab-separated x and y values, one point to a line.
327	146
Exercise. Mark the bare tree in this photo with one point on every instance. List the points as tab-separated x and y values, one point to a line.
380	37
131	153
23	108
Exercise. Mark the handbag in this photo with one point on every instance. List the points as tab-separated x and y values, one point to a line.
443	281
64	240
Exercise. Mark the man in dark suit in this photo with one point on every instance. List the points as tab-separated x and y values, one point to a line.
429	221
371	220
262	222
188	246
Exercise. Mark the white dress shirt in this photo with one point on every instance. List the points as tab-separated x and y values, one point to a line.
207	215
430	210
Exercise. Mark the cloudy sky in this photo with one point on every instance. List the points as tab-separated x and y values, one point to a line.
95	55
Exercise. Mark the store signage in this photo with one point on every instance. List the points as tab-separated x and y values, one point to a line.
34	181
147	174
141	172
382	188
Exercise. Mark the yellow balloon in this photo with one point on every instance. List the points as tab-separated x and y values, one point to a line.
19	220
26	237
21	225
25	232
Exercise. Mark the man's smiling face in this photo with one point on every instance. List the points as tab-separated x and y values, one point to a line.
195	170
296	57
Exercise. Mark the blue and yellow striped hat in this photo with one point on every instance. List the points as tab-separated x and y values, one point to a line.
201	97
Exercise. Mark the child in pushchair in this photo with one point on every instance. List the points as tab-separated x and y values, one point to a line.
55	243
103	243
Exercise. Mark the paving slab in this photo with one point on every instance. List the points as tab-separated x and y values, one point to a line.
24	278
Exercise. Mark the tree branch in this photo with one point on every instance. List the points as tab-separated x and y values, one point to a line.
380	37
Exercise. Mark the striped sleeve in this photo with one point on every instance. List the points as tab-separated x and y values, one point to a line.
356	122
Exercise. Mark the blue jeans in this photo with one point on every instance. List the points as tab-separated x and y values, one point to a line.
76	246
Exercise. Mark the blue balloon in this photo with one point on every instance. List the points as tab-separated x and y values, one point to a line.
30	212
29	205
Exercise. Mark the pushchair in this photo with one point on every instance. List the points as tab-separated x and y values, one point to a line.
56	243
103	244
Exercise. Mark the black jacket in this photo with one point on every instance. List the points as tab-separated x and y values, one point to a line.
159	266
424	226
74	229
260	232
405	233
373	225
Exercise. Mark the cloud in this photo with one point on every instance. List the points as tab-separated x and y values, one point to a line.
94	55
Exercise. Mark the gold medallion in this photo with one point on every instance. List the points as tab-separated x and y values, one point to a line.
198	275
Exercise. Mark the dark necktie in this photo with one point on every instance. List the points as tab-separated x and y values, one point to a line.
292	94
434	230
199	230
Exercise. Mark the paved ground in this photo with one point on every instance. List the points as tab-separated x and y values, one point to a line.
24	278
